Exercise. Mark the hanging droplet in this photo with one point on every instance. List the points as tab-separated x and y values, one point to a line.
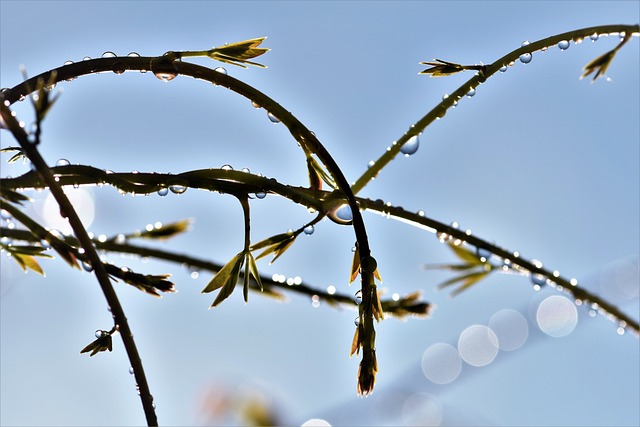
341	215
63	162
594	37
87	266
177	188
471	93
254	104
538	281
220	70
100	333
411	146
358	298
163	191
261	195
563	45
226	167
108	54
356	321
483	253
308	230
118	67
503	69
163	69
525	58
131	372
273	118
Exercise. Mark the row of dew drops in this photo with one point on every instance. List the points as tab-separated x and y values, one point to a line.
413	143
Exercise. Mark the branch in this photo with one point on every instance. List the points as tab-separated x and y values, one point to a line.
67	210
480	77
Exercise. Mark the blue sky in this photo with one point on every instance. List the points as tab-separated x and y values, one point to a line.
537	161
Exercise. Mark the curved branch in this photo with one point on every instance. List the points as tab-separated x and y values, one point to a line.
481	76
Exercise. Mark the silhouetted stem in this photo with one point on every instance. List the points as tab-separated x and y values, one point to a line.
66	208
144	183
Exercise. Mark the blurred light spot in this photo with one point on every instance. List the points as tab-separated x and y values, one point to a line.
422	409
331	289
620	279
478	345
83	203
441	363
511	328
557	316
316	422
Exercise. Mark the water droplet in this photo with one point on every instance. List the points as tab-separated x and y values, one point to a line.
358	298
163	69
226	167
109	54
525	58
315	301
420	213
471	93
254	104
483	253
273	118
67	62
63	162
356	321
261	195
177	188
133	55
341	215
503	69
118	67
525	43
131	370
45	244
245	170
308	230
594	37
220	70
578	40
331	289
371	163
411	146
563	45
538	281
86	58
100	333
87	266
163	191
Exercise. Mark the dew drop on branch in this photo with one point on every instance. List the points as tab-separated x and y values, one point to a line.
594	37
63	162
563	45
411	146
177	188
308	230
220	70
163	191
272	118
525	58
108	54
358	298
